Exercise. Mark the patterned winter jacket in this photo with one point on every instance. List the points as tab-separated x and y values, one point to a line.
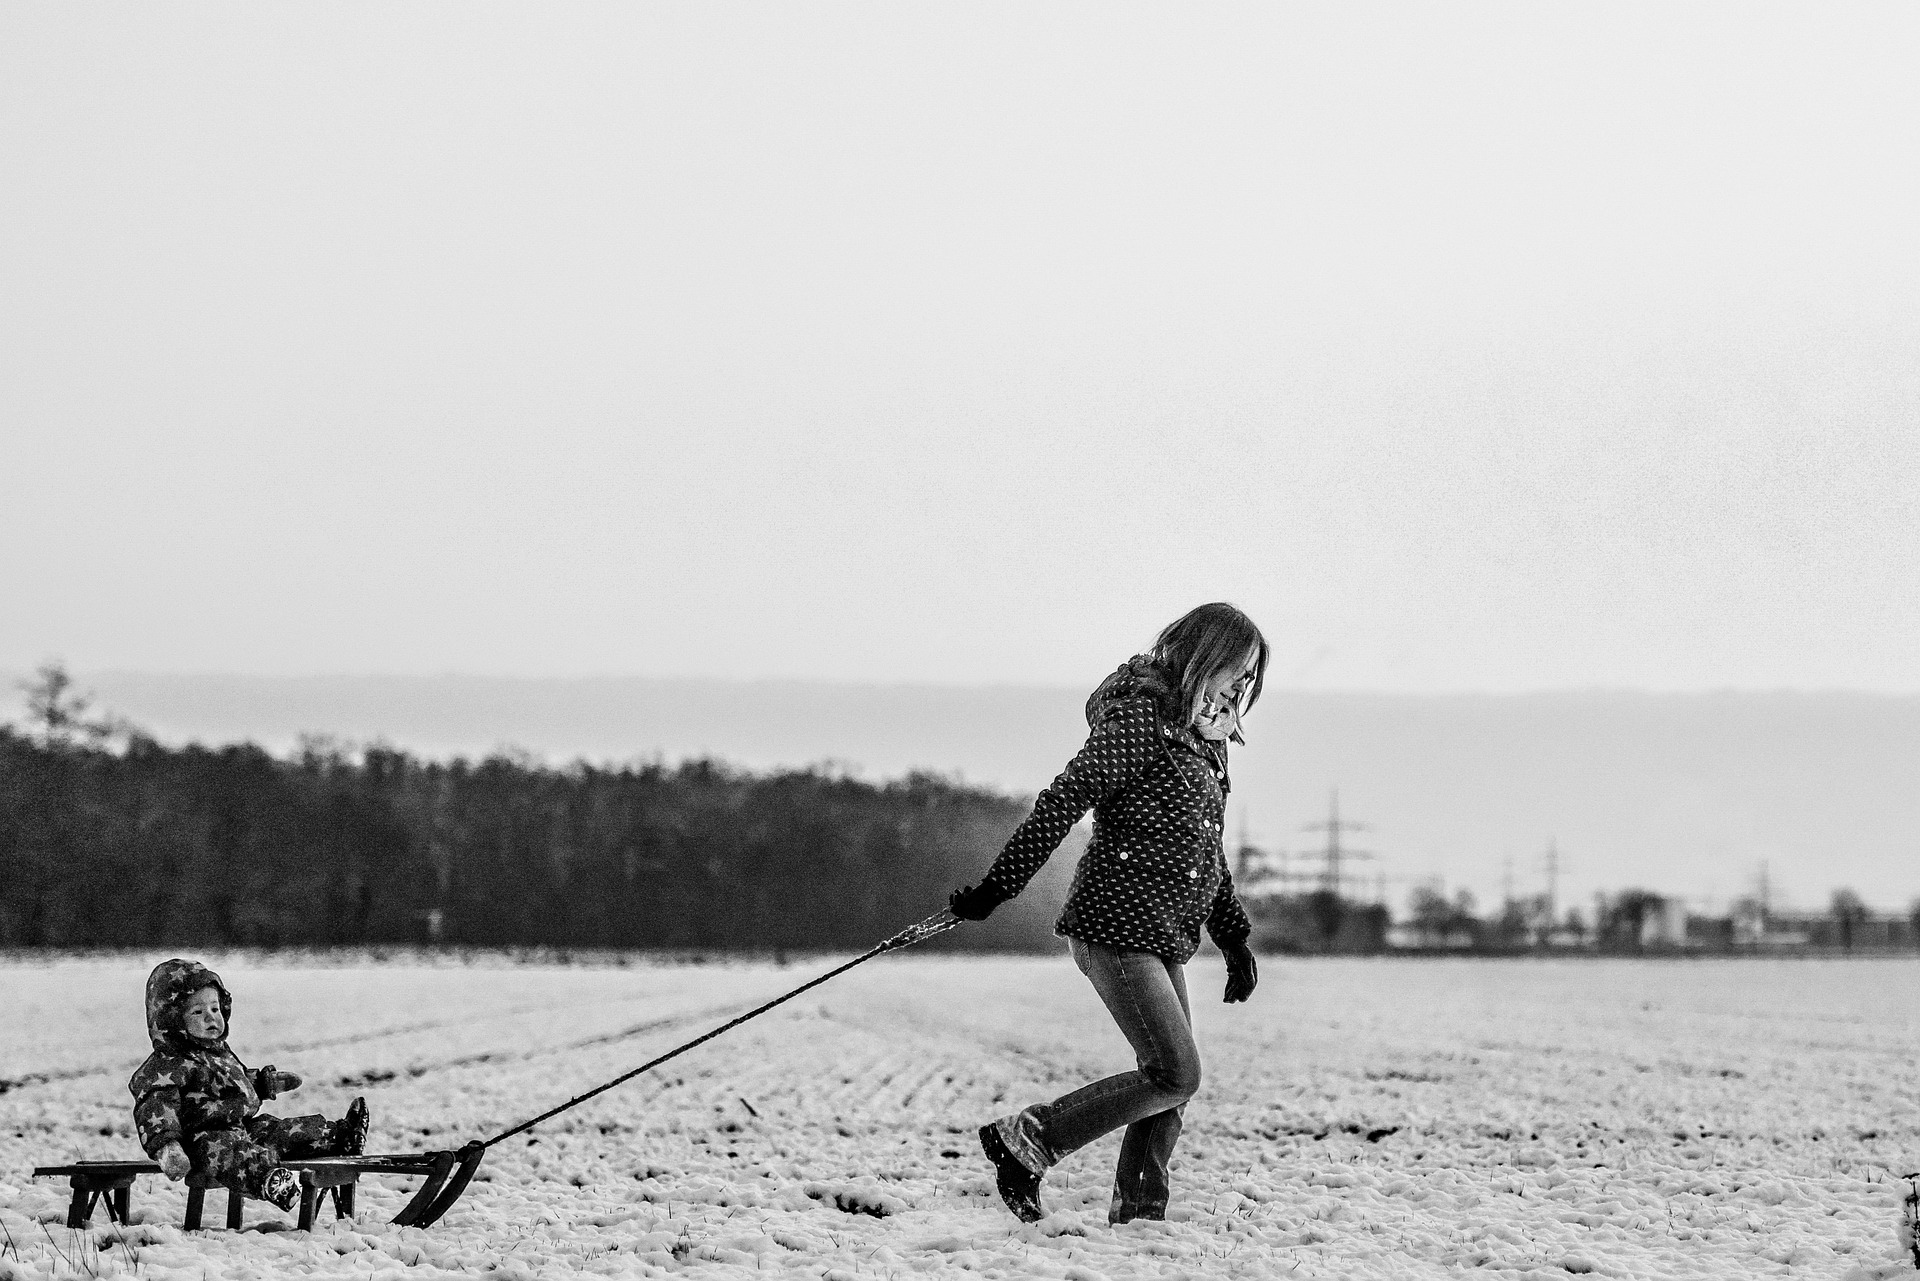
1155	870
188	1086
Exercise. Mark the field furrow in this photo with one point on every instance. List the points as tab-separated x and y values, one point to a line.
1357	1119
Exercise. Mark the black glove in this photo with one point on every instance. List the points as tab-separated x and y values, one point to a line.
974	903
1242	973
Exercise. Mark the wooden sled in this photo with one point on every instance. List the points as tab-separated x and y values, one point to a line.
447	1173
110	1183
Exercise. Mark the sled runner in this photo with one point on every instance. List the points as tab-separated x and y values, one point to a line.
110	1184
447	1173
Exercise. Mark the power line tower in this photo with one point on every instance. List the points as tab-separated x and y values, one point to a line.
1548	918
1248	860
1553	882
1256	869
1335	854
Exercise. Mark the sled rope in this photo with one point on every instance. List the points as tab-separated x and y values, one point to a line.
938	923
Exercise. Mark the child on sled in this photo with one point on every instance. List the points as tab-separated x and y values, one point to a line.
197	1107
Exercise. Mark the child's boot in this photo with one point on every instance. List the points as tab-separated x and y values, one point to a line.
350	1131
281	1187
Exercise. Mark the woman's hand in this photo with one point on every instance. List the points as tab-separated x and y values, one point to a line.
174	1163
1242	973
286	1082
974	903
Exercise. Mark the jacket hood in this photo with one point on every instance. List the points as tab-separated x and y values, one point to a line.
1138	676
168	988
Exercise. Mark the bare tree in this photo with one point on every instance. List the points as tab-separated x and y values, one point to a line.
1849	914
1438	918
57	713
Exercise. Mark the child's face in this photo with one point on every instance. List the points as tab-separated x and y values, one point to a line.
202	1015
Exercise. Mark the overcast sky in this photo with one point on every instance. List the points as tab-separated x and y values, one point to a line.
1469	347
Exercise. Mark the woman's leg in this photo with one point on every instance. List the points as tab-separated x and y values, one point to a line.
1147	998
1140	1186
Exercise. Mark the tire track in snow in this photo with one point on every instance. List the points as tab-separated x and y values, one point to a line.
906	1100
381	1076
268	1053
426	1025
21	1082
940	1070
857	1083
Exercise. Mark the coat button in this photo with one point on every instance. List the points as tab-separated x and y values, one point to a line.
1123	856
1193	874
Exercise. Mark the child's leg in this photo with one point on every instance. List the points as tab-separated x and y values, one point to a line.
233	1160
293	1137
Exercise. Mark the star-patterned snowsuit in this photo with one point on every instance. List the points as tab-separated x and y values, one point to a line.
200	1095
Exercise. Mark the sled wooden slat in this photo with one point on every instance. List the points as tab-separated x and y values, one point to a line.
110	1183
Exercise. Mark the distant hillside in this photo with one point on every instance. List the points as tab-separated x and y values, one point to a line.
1683	793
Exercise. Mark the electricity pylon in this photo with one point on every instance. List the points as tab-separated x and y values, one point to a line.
1335	853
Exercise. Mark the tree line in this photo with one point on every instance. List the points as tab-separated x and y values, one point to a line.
110	838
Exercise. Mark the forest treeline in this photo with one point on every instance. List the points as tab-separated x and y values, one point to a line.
138	844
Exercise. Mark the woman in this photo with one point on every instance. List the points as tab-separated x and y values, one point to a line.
1154	773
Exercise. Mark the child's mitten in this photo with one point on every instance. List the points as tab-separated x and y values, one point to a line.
270	1082
174	1163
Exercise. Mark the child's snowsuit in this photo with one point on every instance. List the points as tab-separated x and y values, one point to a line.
198	1094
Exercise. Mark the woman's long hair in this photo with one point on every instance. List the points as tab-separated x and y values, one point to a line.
1203	641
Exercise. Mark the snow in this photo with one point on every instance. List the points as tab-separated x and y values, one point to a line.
1358	1119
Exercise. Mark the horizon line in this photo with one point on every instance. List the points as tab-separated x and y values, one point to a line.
80	679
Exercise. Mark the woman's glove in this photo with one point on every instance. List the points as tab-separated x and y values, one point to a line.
974	903
174	1163
1242	973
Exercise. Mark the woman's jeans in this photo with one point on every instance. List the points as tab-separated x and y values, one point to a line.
1147	996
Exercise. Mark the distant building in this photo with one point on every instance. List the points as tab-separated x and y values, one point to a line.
1751	928
1408	936
1664	924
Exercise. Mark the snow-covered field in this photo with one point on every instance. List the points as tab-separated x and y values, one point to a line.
1358	1119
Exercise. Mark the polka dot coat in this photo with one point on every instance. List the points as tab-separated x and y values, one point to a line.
1155	870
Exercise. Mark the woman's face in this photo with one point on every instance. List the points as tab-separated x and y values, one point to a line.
1218	715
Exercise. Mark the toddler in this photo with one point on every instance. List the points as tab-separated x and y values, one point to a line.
197	1107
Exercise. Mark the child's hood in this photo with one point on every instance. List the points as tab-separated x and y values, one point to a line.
168	988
